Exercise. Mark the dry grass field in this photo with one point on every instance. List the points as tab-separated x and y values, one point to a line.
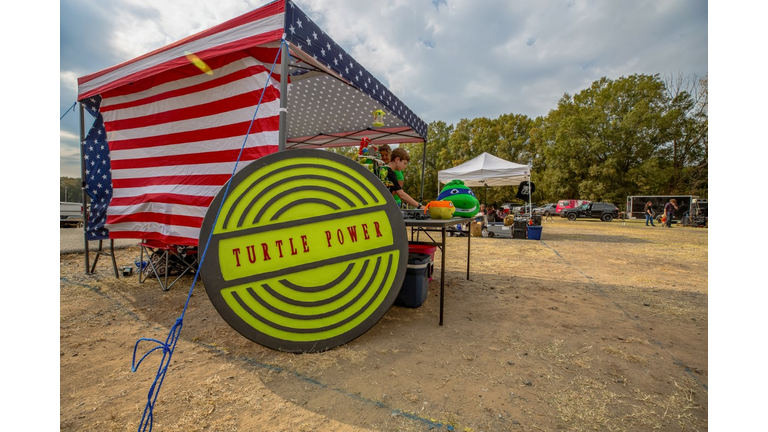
598	326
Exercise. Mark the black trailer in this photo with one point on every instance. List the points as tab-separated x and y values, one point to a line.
636	205
698	216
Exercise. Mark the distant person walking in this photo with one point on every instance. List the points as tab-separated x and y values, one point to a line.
649	213
669	211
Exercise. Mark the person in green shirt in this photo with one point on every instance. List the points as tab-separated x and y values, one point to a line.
386	154
398	161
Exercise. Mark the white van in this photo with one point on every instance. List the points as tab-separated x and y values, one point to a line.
71	214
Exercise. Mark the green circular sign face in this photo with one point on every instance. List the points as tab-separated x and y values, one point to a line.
308	253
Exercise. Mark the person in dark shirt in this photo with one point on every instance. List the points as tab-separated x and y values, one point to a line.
649	213
398	161
492	215
669	211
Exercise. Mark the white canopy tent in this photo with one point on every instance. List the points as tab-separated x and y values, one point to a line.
487	170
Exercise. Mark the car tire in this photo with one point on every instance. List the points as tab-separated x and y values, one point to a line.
572	216
491	234
607	217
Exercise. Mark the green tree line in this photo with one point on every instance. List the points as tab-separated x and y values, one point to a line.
636	135
70	189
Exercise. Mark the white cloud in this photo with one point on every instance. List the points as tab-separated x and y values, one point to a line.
68	136
68	80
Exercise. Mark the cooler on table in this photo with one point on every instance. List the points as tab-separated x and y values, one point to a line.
415	287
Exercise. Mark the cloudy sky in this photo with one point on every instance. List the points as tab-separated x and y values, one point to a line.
446	59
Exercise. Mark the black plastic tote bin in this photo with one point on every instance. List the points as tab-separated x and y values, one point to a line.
415	287
518	229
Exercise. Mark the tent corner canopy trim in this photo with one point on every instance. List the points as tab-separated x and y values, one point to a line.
486	170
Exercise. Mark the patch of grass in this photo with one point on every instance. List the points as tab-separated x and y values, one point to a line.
617	352
676	410
585	404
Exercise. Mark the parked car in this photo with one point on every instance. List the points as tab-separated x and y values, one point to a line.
568	204
71	214
546	210
606	212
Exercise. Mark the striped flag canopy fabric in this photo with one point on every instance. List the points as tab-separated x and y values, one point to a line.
169	125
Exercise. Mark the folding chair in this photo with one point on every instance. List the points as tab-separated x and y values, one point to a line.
158	260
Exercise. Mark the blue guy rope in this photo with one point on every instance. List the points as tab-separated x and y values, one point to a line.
72	108
147	418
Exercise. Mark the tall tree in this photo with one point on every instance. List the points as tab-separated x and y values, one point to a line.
512	133
605	142
689	134
70	189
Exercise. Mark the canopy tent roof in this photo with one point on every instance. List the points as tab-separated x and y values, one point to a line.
331	97
172	125
486	170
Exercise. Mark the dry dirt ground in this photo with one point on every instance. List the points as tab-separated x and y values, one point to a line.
598	326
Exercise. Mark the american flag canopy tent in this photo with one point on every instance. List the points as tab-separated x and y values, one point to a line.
169	125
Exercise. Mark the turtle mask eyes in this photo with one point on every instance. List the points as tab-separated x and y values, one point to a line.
454	191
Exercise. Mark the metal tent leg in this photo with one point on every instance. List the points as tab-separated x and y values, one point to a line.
111	253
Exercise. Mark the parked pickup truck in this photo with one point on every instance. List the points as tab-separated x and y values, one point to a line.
71	214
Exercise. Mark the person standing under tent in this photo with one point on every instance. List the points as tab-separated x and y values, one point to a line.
491	215
649	213
401	180
669	211
481	216
386	154
398	161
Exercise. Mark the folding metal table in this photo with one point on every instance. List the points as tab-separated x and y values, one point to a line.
438	225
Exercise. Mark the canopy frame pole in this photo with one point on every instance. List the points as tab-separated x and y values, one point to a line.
530	188
83	188
423	170
283	119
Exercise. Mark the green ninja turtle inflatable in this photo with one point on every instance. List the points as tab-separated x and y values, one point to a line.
462	198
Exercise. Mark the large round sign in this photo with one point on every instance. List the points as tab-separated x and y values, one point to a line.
308	252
